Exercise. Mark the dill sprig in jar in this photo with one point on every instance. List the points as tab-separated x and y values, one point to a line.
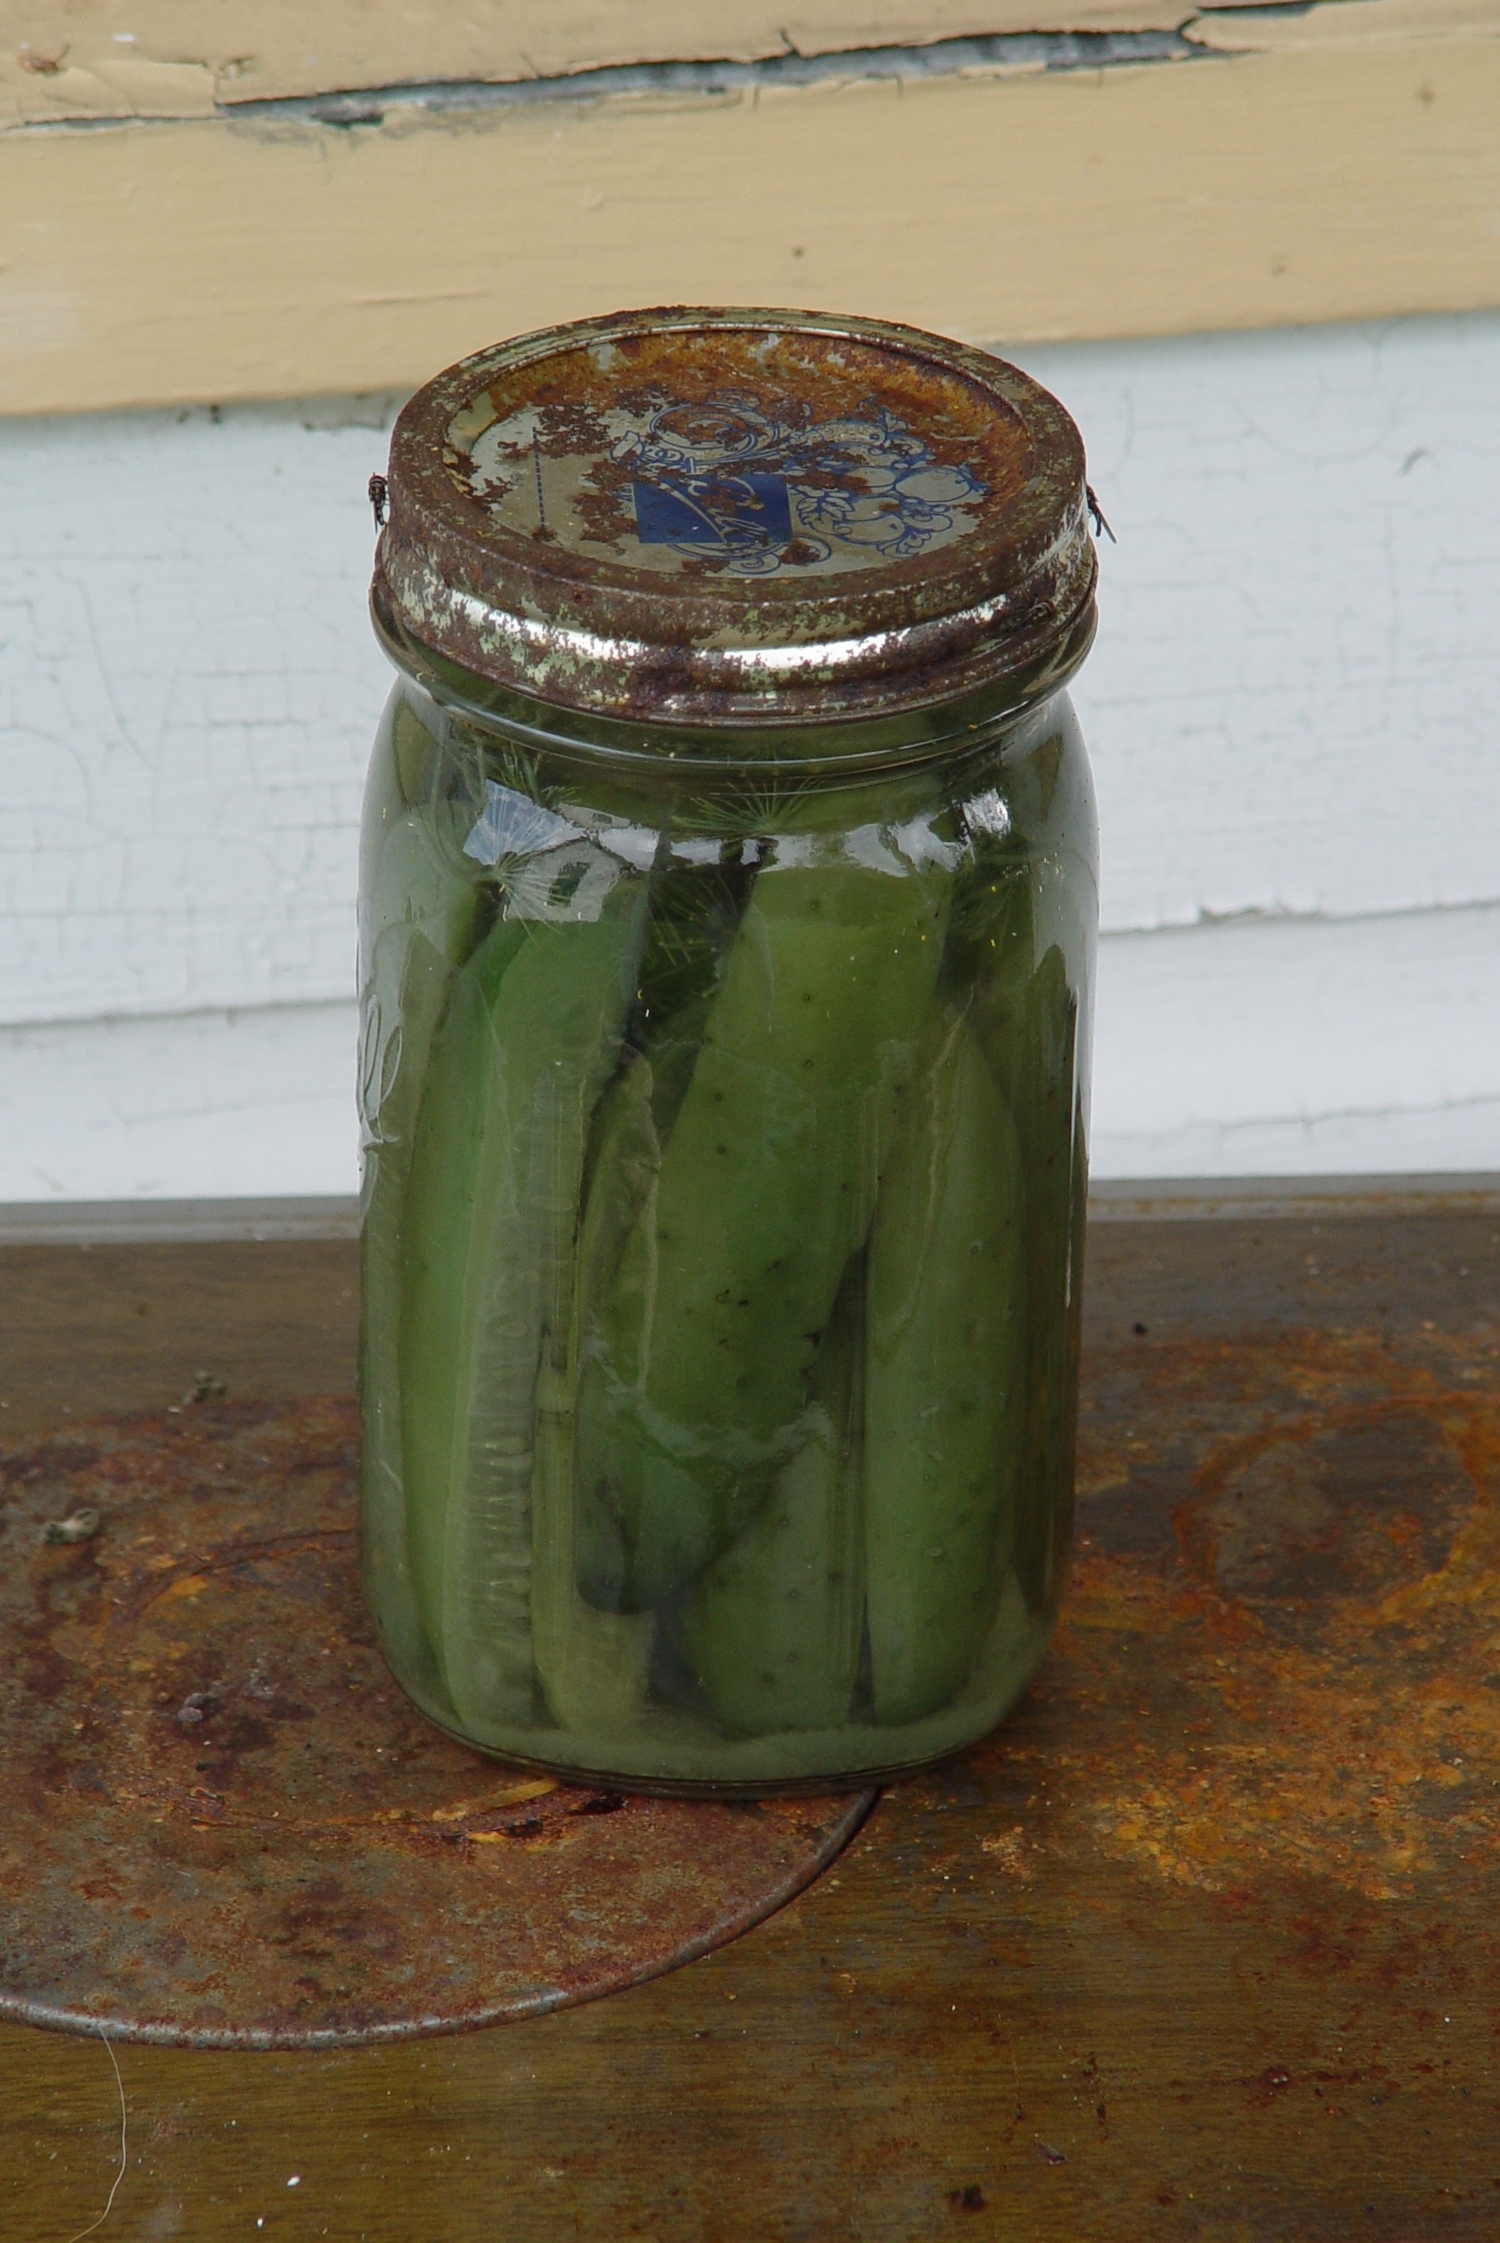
728	906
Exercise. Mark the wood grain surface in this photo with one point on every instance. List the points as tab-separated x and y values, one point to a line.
1201	1946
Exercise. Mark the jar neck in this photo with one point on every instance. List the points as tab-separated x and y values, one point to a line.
844	749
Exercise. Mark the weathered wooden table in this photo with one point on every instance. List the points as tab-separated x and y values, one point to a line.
1205	1944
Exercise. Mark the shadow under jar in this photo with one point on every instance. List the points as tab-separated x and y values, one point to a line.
728	907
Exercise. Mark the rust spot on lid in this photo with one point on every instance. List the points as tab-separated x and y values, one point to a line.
737	517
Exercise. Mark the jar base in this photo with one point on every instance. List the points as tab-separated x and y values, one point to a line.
849	1758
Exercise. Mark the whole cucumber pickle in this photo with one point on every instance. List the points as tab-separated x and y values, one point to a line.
531	1033
772	1630
592	1665
1046	1102
944	1397
418	921
1022	942
695	1370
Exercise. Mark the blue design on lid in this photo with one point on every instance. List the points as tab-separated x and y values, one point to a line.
758	491
737	513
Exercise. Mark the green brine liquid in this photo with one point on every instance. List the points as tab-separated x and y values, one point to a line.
724	1181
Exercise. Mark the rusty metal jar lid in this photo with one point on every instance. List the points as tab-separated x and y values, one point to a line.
737	517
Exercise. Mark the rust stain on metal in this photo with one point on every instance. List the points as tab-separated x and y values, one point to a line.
1278	1672
221	1822
575	393
1275	1695
569	600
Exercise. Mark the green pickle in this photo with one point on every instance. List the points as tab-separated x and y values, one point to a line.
773	1628
421	900
944	1378
705	1344
724	1175
728	901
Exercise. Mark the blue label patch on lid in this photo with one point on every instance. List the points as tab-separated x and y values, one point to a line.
734	513
734	483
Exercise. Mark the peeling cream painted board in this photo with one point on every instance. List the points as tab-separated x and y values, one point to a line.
1292	706
1254	27
1273	1049
176	263
82	58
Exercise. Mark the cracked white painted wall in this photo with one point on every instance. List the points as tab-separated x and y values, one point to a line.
1292	710
1292	704
188	688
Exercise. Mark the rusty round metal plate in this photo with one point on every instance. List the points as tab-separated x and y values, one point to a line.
221	1823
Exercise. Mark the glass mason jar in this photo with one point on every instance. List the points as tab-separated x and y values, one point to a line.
728	906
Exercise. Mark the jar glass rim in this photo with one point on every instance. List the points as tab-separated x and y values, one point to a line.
849	745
